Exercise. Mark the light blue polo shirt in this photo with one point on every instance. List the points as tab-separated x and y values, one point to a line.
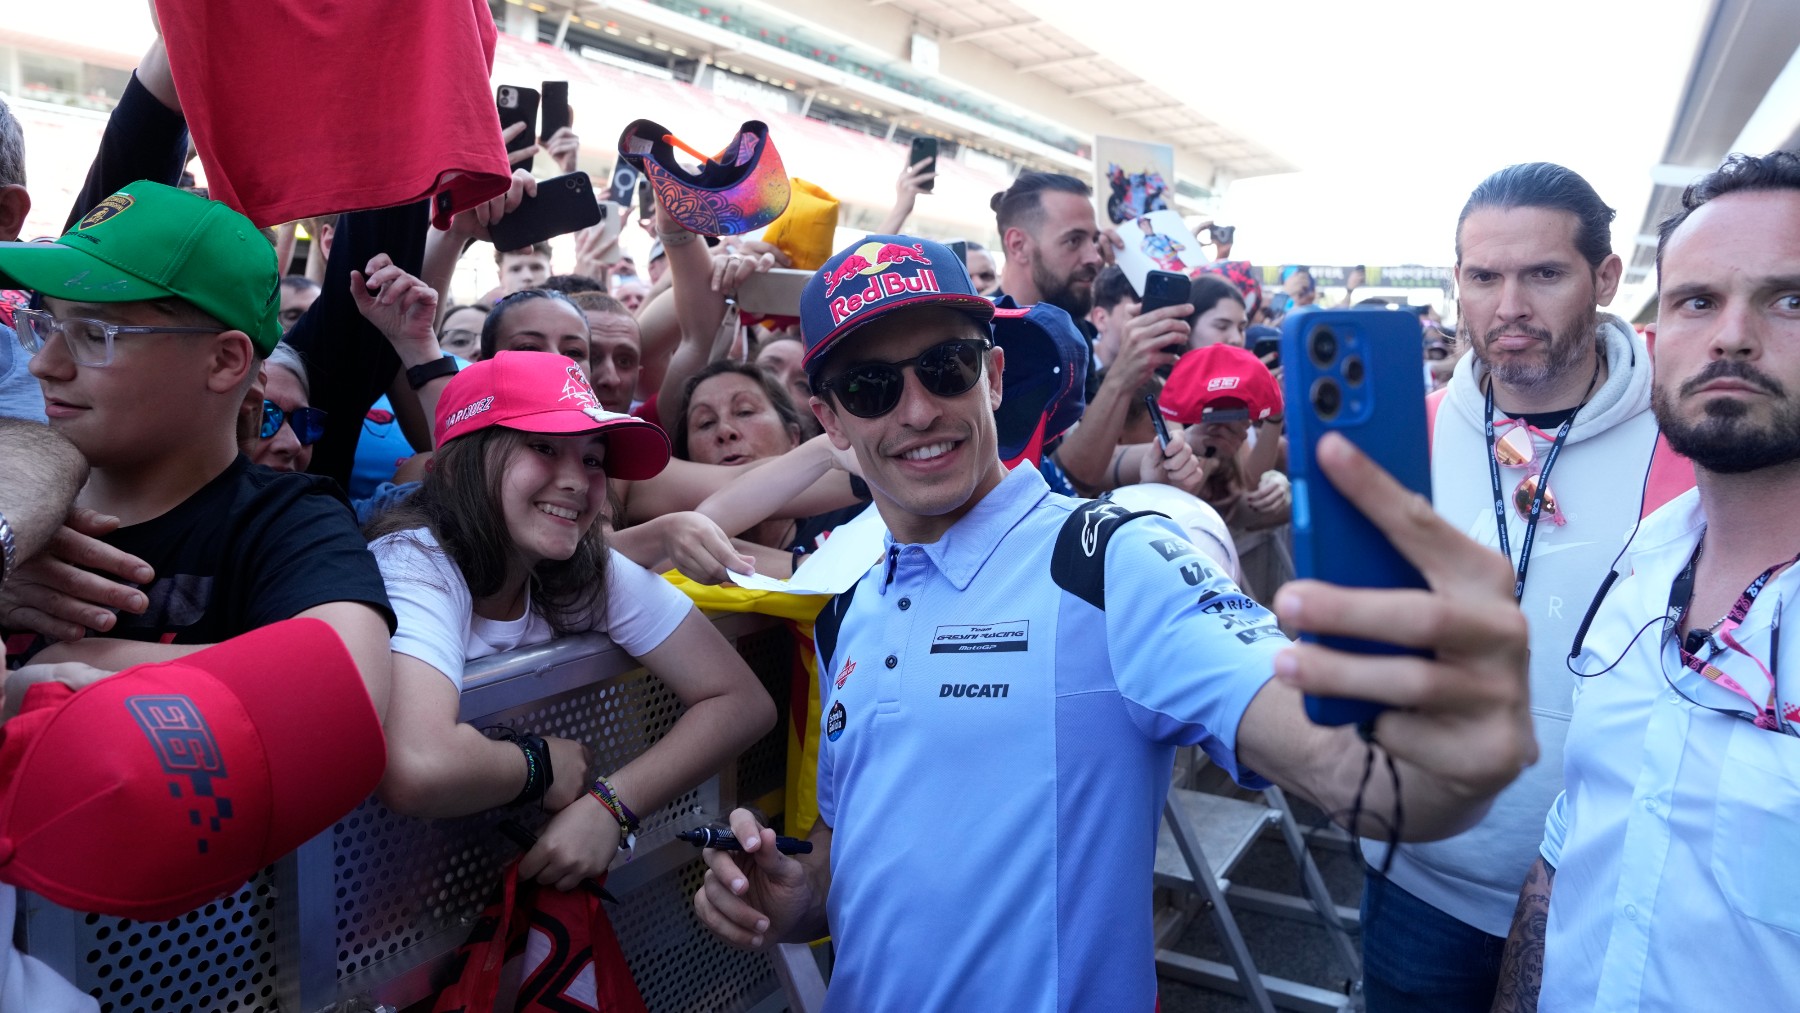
996	748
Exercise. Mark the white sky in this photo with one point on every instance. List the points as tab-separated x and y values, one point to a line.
1396	109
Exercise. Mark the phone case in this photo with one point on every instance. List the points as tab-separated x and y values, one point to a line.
554	110
1164	288
563	204
922	148
1373	368
517	105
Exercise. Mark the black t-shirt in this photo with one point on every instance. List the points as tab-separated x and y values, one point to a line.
252	547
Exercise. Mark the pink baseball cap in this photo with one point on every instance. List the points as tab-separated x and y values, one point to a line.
151	792
541	392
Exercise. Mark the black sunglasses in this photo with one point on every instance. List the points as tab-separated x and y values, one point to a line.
869	390
308	423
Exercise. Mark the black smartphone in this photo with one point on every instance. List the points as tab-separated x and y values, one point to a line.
1357	374
1156	419
553	112
517	105
646	201
1221	233
624	184
961	249
1264	347
1164	288
924	148
563	204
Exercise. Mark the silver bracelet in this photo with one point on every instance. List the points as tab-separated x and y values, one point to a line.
678	238
9	549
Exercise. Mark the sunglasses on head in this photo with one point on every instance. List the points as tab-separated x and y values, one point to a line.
308	423
870	390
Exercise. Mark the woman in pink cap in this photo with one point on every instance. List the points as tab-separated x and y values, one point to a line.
501	548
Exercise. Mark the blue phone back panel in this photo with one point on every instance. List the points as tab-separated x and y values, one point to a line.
1381	409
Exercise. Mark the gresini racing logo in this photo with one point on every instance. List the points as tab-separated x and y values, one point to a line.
1013	636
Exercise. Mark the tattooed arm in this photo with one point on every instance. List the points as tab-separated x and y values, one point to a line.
1522	968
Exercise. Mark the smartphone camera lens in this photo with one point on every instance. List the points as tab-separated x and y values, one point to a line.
1353	371
1327	399
1323	344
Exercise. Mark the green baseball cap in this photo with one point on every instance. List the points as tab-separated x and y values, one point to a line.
151	241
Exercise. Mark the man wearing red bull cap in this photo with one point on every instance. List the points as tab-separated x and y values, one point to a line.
1014	676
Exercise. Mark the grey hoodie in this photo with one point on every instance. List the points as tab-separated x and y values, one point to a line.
1598	482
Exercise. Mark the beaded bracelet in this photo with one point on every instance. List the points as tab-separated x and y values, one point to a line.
608	797
538	772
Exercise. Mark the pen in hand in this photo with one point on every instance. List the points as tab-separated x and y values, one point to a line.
720	838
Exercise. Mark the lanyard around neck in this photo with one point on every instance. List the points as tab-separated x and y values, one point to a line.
1543	488
1681	594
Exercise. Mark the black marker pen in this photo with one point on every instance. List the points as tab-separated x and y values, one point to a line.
721	839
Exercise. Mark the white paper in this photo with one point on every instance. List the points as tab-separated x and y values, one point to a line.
841	561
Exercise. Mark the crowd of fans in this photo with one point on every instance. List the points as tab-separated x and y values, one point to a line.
202	444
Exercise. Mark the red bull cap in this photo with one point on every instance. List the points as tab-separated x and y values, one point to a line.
878	275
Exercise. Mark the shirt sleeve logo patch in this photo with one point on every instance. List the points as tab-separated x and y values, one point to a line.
985	639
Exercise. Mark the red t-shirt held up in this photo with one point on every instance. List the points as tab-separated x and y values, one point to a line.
313	107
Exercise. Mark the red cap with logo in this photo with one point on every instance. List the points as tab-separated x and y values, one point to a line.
1210	380
151	792
541	392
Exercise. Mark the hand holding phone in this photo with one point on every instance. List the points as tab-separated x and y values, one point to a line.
562	205
924	149
1163	289
517	105
1354	374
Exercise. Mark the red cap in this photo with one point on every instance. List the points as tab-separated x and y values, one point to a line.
156	790
541	392
1212	374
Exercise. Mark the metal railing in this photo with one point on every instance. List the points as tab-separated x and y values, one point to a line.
369	912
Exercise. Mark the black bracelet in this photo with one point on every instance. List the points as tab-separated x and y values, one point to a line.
538	772
425	372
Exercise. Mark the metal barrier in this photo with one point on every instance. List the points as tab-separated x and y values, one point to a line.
367	913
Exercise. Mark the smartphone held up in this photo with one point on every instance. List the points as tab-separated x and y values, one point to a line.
1355	374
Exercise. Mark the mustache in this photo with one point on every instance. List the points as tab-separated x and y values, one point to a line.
1732	369
1539	333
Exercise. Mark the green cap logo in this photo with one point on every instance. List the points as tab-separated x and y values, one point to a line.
110	207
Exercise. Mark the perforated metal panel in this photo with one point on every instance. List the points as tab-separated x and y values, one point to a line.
372	908
400	882
219	958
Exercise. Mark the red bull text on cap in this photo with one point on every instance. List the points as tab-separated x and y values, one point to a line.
878	275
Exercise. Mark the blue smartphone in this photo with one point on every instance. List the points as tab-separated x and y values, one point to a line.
1353	372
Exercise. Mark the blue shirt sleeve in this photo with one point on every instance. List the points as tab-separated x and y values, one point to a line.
1189	649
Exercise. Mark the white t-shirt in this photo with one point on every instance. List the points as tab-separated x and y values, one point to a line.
27	984
436	613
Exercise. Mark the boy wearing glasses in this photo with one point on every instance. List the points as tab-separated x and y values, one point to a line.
158	309
1540	445
1003	692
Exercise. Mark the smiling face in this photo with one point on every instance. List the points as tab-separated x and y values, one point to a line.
283	451
543	325
730	421
930	459
1727	389
1527	296
552	490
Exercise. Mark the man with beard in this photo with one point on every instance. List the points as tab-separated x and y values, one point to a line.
1054	251
1540	445
1672	849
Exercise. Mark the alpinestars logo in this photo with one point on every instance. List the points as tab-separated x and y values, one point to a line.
1090	526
